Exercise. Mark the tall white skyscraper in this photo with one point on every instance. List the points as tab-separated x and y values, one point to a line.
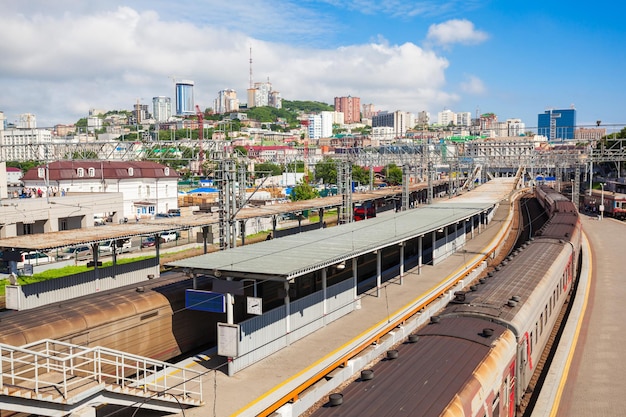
321	125
161	108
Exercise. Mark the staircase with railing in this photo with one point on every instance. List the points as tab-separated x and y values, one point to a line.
55	378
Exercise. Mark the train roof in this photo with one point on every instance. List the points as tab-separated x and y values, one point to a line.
426	376
292	256
89	311
518	280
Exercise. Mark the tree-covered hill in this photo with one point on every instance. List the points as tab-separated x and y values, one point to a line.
298	106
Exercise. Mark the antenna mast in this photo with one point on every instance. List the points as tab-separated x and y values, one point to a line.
250	66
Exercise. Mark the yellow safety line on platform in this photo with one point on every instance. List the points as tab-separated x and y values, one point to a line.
561	387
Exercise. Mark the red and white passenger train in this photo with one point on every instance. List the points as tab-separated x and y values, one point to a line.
476	358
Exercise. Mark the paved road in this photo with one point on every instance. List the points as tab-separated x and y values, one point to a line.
595	385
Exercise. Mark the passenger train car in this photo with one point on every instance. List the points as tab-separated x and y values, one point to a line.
477	356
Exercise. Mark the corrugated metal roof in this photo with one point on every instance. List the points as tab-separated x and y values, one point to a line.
53	240
292	256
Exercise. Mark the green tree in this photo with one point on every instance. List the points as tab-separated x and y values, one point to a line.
393	173
298	165
24	166
303	191
267	168
306	106
360	175
326	171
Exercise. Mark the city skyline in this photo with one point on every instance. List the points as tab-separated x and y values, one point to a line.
516	60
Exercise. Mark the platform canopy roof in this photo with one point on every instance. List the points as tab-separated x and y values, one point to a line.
292	256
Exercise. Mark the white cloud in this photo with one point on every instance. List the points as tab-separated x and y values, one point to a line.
62	64
473	85
455	31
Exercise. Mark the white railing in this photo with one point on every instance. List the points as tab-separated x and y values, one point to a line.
58	369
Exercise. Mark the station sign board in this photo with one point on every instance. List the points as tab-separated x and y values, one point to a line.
209	301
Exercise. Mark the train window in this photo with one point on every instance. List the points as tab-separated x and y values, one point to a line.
541	324
531	341
546	316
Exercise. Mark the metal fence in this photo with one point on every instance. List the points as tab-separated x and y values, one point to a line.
23	297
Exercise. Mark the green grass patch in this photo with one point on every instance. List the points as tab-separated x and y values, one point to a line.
63	272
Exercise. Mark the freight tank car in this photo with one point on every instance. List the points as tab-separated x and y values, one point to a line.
148	320
476	357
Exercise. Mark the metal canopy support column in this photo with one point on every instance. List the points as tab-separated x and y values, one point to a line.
379	273
355	278
242	231
324	292
434	243
205	236
401	262
96	273
287	308
420	247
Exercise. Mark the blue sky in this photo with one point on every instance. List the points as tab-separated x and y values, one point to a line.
512	58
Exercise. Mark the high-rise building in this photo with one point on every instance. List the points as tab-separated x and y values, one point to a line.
261	94
369	111
350	107
464	119
27	121
226	102
140	112
161	108
423	118
446	118
321	125
3	121
400	121
557	124
19	144
184	98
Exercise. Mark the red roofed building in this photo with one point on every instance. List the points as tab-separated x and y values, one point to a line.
148	187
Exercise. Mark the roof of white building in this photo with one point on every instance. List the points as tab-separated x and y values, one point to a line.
69	170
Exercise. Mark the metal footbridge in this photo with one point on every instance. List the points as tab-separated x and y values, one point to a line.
53	378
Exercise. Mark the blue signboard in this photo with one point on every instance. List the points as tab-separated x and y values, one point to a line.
212	302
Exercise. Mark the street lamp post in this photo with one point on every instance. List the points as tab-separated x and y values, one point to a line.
602	202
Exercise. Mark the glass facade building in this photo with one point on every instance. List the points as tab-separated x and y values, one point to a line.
161	108
184	98
557	124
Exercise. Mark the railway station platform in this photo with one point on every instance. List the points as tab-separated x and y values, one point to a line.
253	390
587	373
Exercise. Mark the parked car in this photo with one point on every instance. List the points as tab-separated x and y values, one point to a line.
148	242
164	215
174	212
76	252
168	237
34	258
98	221
122	245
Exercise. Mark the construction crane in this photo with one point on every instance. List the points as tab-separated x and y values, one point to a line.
200	136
